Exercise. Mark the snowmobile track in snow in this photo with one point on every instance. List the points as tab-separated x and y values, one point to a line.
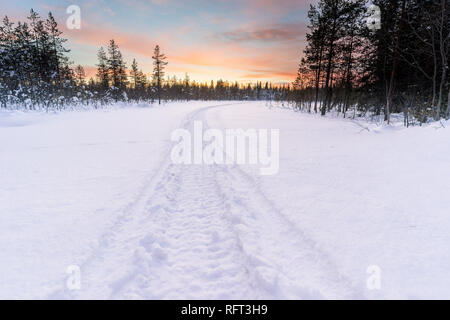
203	232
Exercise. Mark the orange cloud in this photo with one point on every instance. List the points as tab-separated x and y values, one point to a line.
270	75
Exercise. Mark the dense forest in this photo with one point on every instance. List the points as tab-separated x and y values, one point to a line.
396	63
349	66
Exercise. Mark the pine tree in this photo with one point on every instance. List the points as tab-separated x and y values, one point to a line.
57	59
102	68
159	64
116	66
139	80
80	74
134	73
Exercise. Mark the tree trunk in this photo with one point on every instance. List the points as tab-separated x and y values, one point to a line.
448	105
327	79
319	69
348	76
444	62
329	64
394	65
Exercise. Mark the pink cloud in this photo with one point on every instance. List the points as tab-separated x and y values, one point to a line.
275	33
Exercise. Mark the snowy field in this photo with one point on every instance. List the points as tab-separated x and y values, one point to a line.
97	189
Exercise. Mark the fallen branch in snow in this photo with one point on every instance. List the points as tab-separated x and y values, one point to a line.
361	126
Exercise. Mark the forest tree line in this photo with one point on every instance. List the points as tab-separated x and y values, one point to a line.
399	66
35	73
347	67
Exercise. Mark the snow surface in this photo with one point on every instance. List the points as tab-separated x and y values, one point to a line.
97	189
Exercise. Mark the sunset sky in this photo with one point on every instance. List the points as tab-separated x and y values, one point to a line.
235	40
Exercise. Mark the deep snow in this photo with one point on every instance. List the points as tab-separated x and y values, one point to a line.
97	189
